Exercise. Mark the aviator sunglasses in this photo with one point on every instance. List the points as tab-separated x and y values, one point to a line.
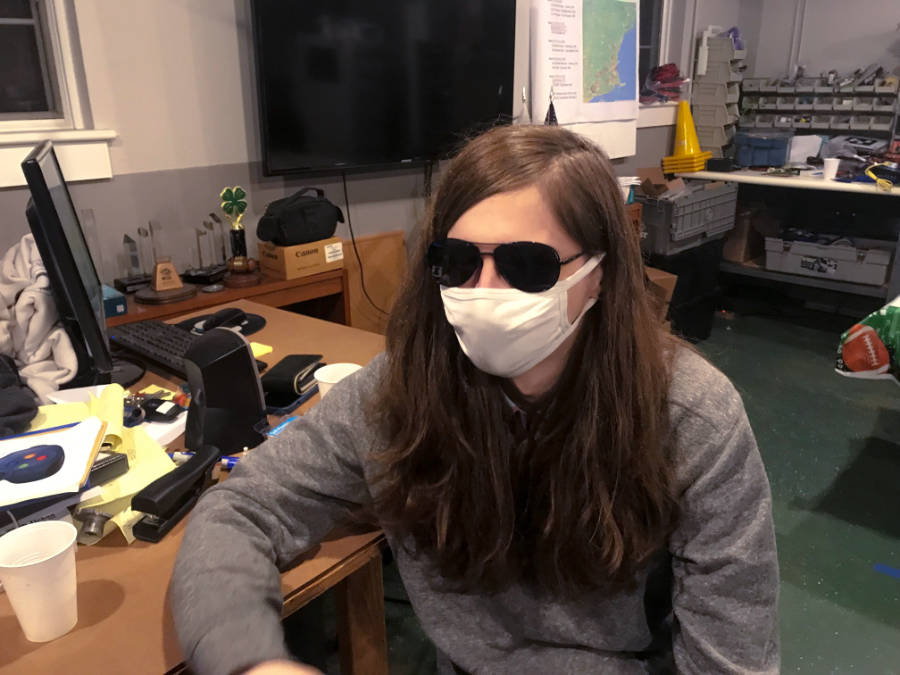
526	265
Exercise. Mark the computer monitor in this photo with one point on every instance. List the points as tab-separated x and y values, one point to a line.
74	282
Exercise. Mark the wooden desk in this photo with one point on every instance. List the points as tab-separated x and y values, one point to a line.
124	621
271	292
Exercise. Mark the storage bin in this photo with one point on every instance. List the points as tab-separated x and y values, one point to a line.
823	103
674	225
861	263
804	102
714	93
768	103
862	103
842	103
821	122
722	49
720	71
883	87
714	137
762	148
765	121
884	103
840	121
881	122
860	122
783	121
712	115
753	84
786	102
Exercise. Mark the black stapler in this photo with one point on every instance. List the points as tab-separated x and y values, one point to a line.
226	415
167	499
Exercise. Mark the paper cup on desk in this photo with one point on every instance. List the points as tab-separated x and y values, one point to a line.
328	376
37	568
831	168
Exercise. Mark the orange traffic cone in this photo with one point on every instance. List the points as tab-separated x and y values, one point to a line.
687	156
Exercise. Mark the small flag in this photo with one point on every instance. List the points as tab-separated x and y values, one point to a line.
550	119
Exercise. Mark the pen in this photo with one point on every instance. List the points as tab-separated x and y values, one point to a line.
227	462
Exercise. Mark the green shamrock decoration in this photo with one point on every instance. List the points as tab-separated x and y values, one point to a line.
233	204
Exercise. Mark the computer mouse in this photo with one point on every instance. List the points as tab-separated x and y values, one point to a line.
24	466
225	318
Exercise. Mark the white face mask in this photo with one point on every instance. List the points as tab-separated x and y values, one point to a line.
507	332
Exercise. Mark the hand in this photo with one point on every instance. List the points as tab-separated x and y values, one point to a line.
282	668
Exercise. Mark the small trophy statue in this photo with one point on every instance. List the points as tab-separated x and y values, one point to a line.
165	285
241	269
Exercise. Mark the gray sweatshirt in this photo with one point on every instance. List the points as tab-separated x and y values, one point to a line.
718	581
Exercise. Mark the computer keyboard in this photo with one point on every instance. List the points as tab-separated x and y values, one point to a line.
155	341
159	342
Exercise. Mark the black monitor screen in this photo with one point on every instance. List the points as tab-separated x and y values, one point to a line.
73	277
346	83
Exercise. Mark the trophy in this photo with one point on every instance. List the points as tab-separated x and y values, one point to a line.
242	271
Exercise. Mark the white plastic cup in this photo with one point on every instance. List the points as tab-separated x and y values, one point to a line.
831	168
37	568
328	376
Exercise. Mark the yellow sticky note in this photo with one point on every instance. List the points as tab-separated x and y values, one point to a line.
259	349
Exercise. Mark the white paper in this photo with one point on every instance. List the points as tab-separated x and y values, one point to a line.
803	147
587	52
79	443
161	432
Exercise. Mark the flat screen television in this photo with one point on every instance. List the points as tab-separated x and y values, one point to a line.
372	83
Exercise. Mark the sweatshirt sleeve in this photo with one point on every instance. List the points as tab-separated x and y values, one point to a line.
725	567
280	501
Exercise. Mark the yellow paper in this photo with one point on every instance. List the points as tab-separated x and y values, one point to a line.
55	415
110	407
259	349
147	460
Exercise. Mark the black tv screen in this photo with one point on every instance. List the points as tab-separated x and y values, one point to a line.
364	83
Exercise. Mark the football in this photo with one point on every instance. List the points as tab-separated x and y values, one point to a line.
863	351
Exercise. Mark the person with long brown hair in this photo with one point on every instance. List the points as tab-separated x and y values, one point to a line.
566	487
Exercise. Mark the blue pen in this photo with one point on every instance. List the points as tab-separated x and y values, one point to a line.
228	462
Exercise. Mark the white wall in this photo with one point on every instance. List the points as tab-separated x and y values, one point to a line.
846	35
833	34
167	76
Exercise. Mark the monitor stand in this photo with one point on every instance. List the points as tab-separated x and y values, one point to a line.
125	372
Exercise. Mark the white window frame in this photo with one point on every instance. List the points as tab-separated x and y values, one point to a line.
58	34
82	150
661	114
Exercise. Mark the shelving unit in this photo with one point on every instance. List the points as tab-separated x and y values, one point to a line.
806	182
755	269
715	95
813	105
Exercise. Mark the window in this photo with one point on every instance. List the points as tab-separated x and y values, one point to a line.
27	80
651	19
43	92
38	80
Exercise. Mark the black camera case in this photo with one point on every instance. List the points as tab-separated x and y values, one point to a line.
299	219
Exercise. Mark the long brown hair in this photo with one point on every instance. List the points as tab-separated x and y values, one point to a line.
585	496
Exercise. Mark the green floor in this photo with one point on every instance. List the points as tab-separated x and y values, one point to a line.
831	446
832	450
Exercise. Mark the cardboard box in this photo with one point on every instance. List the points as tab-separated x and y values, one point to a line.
292	262
743	242
663	287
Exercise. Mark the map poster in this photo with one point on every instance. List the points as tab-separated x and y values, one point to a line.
587	52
